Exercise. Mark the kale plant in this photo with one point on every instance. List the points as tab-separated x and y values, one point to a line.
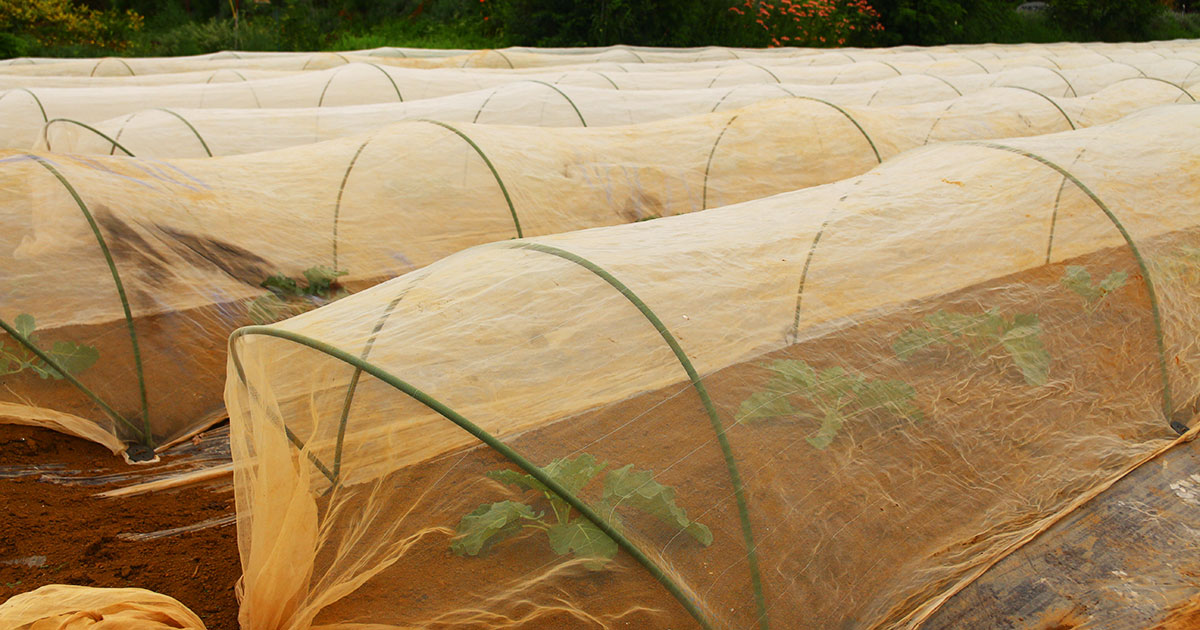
288	297
1077	279
979	334
566	531
72	357
830	396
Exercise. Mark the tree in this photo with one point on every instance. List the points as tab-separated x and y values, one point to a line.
1108	20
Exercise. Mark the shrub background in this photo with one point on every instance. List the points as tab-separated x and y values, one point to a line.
181	27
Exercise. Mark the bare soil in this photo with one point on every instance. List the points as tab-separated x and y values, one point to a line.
52	520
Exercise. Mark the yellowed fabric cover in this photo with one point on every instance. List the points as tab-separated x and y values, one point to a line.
100	431
864	519
220	75
517	57
201	132
62	607
23	108
349	491
191	241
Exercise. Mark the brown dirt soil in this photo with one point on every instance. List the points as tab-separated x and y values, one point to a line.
1184	616
82	537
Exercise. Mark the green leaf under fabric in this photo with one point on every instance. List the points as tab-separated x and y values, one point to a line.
626	486
978	334
25	325
574	473
582	538
489	524
798	391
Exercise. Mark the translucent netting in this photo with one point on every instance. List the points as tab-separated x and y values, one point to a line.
220	75
852	399
991	56
943	63
23	109
200	133
134	66
652	61
170	255
517	57
115	66
957	69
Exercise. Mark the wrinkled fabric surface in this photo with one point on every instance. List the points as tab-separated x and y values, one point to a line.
192	241
795	364
63	607
866	391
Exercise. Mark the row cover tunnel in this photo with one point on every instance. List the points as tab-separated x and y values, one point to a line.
24	109
211	132
171	256
525	58
612	337
712	420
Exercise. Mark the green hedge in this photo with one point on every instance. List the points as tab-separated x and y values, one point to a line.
176	27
